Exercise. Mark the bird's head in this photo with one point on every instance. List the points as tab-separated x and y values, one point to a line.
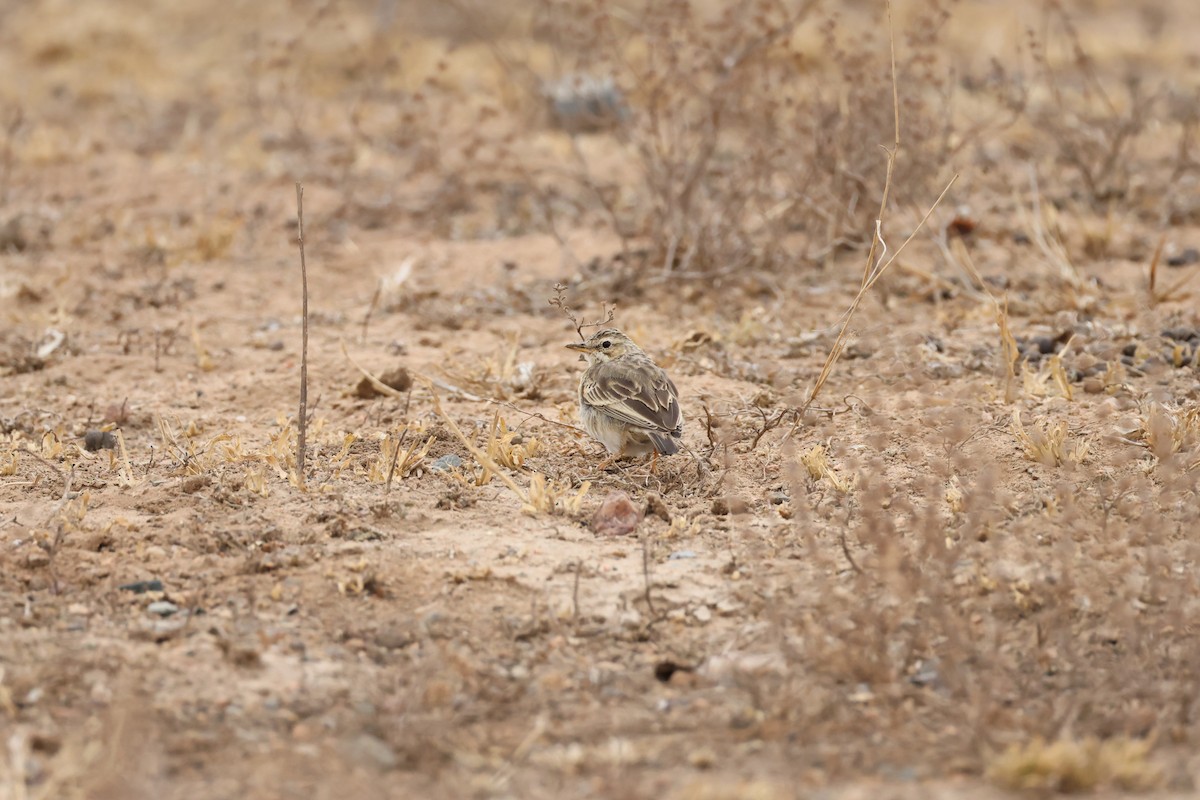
604	346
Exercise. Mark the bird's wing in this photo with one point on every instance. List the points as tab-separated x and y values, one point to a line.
637	393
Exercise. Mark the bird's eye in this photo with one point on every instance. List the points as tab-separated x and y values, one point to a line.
606	344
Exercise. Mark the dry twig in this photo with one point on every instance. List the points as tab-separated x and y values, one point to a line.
302	421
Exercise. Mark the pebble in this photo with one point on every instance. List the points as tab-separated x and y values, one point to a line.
1188	257
394	636
163	608
368	749
728	608
680	554
861	694
629	619
926	675
141	587
95	440
943	370
702	614
397	379
446	463
616	516
657	506
724	506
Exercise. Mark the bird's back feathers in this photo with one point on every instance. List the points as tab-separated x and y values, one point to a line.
636	391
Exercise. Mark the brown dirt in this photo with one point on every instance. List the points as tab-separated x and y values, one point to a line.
882	595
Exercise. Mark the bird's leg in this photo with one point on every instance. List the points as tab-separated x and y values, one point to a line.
654	461
612	459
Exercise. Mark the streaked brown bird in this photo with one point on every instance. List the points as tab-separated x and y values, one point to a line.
626	401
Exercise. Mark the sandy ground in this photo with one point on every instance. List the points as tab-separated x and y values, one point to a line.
884	597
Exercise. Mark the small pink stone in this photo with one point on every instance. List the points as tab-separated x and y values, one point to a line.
616	516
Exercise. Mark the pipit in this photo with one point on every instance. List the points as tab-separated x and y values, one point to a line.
626	401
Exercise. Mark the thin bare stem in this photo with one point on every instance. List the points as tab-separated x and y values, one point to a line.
1162	240
371	310
836	351
302	421
891	157
646	573
395	458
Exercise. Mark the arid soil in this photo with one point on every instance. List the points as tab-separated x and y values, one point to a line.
966	566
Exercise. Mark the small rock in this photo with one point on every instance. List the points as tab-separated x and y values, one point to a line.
724	506
727	608
24	232
616	516
744	717
437	625
862	694
371	750
95	440
583	103
1188	257
163	608
679	554
394	637
944	370
630	619
925	674
1182	334
141	587
1047	346
702	614
446	463
656	506
398	379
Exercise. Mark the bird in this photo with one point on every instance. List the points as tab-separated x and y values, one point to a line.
626	401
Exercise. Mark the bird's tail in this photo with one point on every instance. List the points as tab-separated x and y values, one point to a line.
664	443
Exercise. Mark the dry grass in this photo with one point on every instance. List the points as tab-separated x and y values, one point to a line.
1046	443
1070	766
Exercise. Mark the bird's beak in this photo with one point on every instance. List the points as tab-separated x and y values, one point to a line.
581	348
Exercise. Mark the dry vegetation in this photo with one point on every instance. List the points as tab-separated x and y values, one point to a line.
967	566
